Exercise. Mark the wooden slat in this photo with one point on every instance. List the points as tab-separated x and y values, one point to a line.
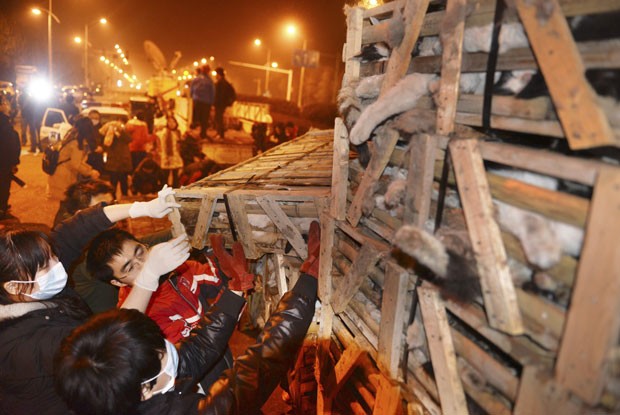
540	394
175	218
207	207
388	400
593	321
280	273
328	229
344	368
442	353
392	328
340	173
452	32
349	286
498	291
284	224
420	180
582	119
244	230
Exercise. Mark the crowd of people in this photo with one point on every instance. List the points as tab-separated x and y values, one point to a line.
96	321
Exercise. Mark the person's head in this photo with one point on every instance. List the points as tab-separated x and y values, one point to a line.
171	122
95	117
219	72
194	130
81	195
206	70
141	115
29	267
69	99
85	132
114	361
116	256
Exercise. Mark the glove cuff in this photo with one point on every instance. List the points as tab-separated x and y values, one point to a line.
147	280
136	209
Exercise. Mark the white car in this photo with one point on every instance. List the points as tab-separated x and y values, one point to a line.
55	125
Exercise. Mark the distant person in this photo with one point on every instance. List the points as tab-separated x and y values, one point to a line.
225	96
21	103
202	91
168	148
191	151
118	163
147	178
141	140
95	157
32	111
9	155
72	160
71	110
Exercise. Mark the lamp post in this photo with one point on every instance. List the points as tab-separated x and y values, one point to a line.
77	39
50	16
291	30
258	42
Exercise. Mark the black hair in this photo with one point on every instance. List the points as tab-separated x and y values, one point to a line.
194	125
79	195
86	132
102	248
101	365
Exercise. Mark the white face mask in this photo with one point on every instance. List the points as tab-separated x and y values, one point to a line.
172	364
50	283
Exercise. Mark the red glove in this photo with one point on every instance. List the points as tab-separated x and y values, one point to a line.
235	267
311	264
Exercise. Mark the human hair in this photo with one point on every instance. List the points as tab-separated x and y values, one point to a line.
85	131
79	195
101	365
141	115
22	253
220	72
194	125
94	112
102	248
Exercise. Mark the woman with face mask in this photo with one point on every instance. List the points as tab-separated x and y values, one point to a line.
38	310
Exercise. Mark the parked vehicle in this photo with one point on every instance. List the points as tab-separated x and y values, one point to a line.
55	123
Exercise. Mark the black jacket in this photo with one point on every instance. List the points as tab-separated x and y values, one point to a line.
245	388
30	334
9	145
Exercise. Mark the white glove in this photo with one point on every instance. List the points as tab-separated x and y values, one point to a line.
156	208
163	258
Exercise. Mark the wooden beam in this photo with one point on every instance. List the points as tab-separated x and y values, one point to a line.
280	273
497	288
328	230
593	321
442	353
205	215
343	370
284	224
583	121
388	401
540	394
340	171
236	202
452	32
393	318
350	284
420	180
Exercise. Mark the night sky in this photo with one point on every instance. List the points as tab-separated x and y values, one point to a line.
197	28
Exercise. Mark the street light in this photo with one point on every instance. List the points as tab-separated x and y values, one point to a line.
291	30
258	43
102	21
50	16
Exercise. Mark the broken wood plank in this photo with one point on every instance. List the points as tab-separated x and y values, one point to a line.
367	257
583	121
236	203
442	353
340	171
175	218
419	180
593	320
540	394
497	288
205	215
344	369
328	230
392	328
280	273
284	224
451	35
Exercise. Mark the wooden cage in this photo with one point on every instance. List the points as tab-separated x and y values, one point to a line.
541	336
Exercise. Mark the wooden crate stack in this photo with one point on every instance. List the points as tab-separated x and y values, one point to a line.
513	351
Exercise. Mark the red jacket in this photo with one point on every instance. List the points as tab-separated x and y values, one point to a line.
138	130
176	306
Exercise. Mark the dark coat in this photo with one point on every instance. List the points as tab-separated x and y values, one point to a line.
29	338
119	156
247	386
9	145
225	94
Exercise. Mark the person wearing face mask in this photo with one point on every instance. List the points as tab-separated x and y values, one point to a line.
119	363
95	157
38	309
